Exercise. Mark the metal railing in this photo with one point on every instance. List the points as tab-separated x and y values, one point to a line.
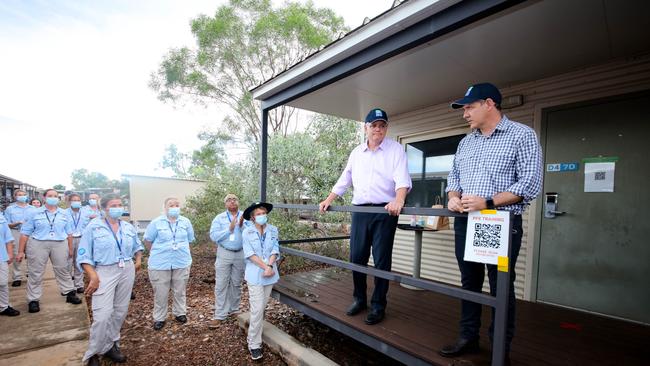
499	302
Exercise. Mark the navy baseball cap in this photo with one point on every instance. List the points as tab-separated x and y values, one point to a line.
476	92
376	115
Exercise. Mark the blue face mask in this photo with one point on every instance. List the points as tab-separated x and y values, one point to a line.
75	204
52	201
92	202
174	211
115	212
261	219
21	199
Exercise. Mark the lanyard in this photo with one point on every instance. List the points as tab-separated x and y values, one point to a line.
229	218
51	222
173	231
262	239
76	222
119	229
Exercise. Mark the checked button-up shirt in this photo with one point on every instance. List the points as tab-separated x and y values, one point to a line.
508	160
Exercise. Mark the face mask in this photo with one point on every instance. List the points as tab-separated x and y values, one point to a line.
21	199
52	201
92	202
261	219
75	204
174	211
115	212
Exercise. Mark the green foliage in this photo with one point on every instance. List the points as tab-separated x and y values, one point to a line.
59	187
82	180
244	44
302	167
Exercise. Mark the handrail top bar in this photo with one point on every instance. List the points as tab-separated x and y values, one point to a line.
374	209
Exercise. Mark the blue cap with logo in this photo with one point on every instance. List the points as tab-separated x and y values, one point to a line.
376	115
476	92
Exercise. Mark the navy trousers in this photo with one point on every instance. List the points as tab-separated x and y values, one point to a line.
472	277
374	232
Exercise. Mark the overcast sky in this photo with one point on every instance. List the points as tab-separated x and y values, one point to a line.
73	84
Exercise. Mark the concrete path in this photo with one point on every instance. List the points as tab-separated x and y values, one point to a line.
57	335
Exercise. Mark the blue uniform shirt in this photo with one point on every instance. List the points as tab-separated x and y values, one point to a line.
87	211
264	246
42	224
220	231
5	237
166	236
15	213
99	247
78	221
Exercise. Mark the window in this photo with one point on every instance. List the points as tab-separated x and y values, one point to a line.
429	163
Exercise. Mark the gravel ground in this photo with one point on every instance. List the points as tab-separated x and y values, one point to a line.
194	343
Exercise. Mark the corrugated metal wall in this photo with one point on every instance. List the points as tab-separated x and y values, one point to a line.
438	258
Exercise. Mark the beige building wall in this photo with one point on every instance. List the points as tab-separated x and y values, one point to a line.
438	258
147	194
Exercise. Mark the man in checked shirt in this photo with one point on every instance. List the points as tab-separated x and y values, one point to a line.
497	166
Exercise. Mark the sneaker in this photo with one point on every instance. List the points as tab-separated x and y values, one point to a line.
115	354
158	325
9	311
181	319
34	307
256	353
71	297
214	323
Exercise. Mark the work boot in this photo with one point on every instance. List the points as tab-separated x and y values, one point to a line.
115	354
9	311
34	307
71	297
94	361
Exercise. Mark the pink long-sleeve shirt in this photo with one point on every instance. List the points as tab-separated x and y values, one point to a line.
375	175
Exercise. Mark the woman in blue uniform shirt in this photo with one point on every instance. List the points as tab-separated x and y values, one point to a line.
168	240
6	257
78	222
107	252
46	234
15	215
261	250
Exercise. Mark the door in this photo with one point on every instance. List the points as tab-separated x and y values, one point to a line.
596	256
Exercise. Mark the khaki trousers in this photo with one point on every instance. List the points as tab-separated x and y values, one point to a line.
164	280
110	305
258	298
38	252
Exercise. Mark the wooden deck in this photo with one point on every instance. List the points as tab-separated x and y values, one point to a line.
420	322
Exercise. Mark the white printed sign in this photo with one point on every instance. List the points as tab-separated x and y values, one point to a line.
487	236
599	177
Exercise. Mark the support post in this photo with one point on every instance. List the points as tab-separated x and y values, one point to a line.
264	146
501	308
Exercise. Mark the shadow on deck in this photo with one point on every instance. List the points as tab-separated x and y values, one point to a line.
418	323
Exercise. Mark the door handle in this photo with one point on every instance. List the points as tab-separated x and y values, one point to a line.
551	205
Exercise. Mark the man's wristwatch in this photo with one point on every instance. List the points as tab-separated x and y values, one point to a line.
489	203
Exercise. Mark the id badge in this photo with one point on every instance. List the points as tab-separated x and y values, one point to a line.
121	263
231	237
175	246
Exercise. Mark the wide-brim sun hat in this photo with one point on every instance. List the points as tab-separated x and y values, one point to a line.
253	206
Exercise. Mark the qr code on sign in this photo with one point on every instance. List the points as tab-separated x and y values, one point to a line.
600	176
487	235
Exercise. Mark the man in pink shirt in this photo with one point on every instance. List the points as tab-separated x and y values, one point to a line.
377	169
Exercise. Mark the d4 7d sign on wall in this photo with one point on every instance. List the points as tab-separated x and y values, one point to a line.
487	237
